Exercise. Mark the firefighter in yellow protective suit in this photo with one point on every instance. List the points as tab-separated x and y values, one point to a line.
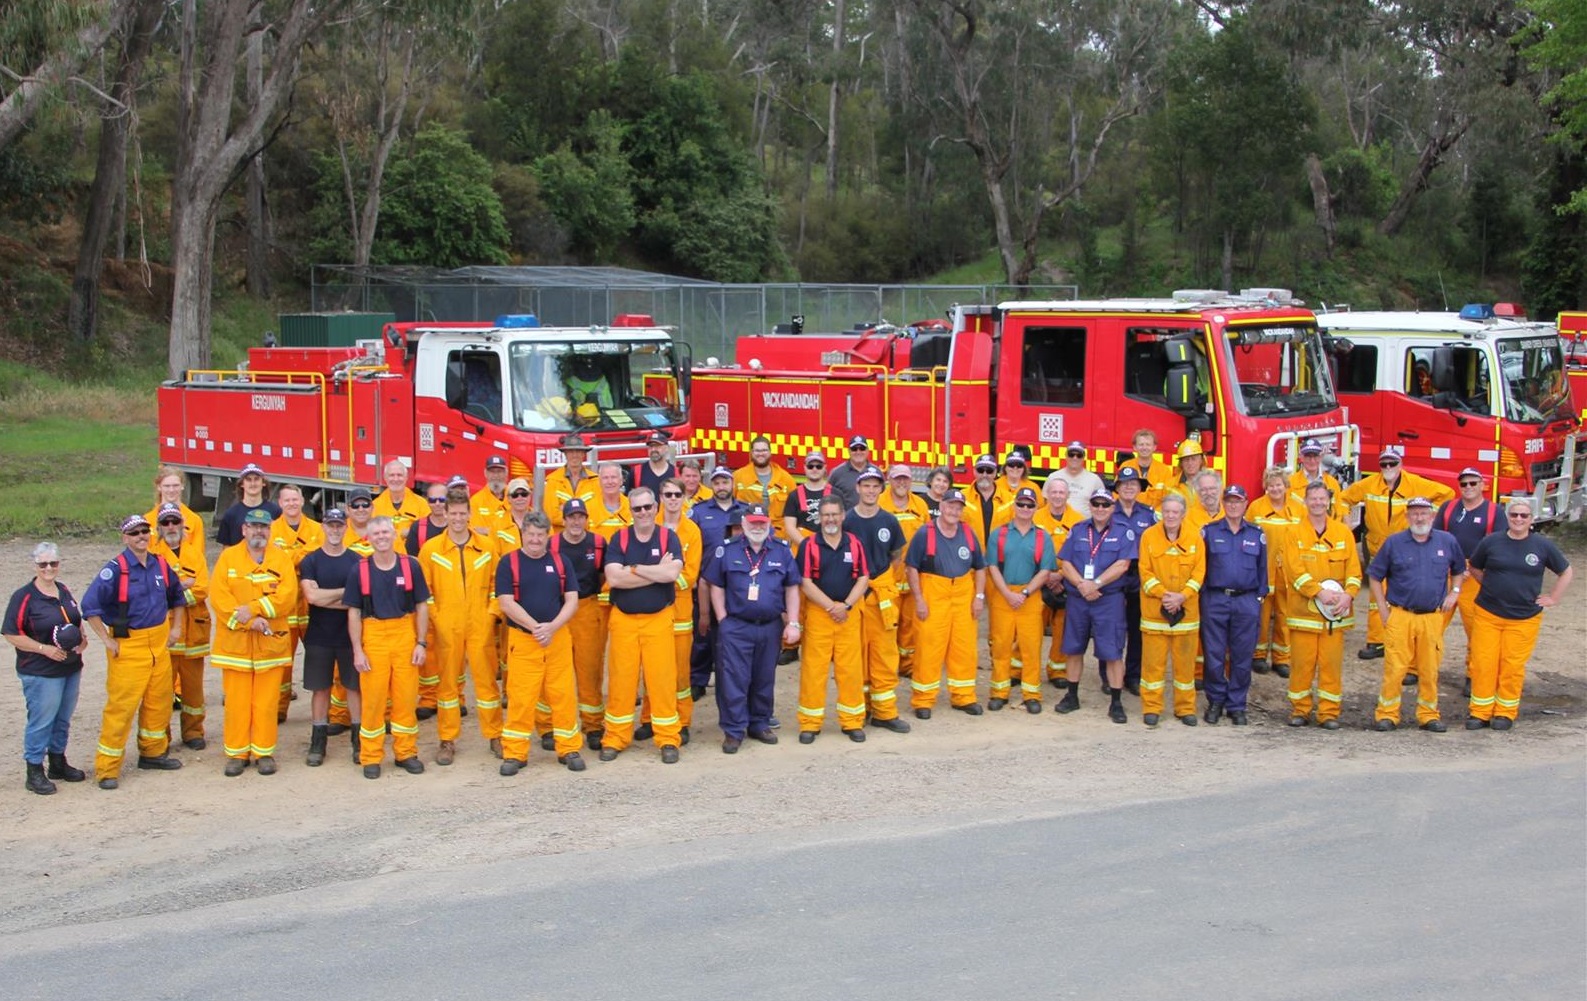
1324	573
402	505
488	504
585	553
1384	495
763	482
388	616
253	590
674	519
574	479
1056	518
359	506
1275	513
185	555
882	539
909	508
947	576
297	535
833	582
1020	557
459	566
1311	470
1173	564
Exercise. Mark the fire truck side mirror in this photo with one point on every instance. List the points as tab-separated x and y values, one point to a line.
1443	369
1179	386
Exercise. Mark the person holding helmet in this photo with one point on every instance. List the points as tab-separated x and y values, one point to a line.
1384	495
946	565
254	592
184	553
44	623
1324	574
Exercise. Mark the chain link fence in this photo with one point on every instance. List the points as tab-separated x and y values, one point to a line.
709	316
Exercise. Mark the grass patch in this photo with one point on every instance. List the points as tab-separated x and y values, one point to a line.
62	476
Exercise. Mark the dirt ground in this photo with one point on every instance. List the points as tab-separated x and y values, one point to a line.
167	841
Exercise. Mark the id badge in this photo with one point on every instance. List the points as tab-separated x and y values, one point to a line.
1090	572
753	594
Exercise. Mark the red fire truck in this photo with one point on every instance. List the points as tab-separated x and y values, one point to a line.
1482	387
442	397
1573	335
1245	373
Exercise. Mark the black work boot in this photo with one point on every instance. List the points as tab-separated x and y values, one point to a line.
37	782
317	738
1070	702
60	769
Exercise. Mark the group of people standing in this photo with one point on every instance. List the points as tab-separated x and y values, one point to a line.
596	614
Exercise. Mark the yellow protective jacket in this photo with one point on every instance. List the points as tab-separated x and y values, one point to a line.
189	564
461	579
559	490
297	543
1169	565
268	589
1275	520
1383	511
413	508
1311	558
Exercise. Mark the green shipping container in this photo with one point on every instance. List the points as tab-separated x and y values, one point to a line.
331	330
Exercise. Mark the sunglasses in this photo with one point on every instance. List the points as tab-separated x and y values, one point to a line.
815	465
671	493
170	521
1387	465
636	508
1521	515
359	505
1026	505
137	531
1101	503
519	493
437	500
1471	483
1014	465
985	470
47	564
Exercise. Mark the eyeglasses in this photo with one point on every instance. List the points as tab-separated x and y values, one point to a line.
637	508
815	465
170	521
1522	515
519	493
47	564
1027	505
359	505
1471	483
437	500
138	531
1388	464
671	493
1014	465
1101	503
985	470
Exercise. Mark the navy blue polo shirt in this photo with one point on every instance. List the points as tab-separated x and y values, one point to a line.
1417	572
1236	561
1512	573
627	549
1469	527
1140	519
543	582
880	535
1086	545
955	555
587	559
150	596
328	626
737	566
833	569
712	519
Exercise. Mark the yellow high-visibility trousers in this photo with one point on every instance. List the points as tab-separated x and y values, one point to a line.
683	642
188	674
1057	663
389	643
1466	605
947	638
831	649
1500	648
1272	638
1158	648
539	675
1411	642
1015	636
908	636
339	710
462	647
137	682
1316	657
641	645
879	615
252	700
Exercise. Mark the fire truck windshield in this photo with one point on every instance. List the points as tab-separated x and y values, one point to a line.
1279	370
1534	379
594	385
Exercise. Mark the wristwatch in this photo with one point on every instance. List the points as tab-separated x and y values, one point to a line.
1024	592
980	597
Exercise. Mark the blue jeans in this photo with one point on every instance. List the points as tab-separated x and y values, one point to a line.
50	702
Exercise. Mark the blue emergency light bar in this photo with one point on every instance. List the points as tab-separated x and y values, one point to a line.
511	320
1476	311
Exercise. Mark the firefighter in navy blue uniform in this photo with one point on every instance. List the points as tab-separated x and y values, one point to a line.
1094	561
1140	517
1231	605
127	607
714	516
833	566
755	594
1416	578
1470	518
882	538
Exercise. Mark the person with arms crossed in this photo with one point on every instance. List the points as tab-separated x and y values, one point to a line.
642	567
327	646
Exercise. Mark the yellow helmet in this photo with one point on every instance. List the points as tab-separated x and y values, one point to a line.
1190	446
589	413
555	406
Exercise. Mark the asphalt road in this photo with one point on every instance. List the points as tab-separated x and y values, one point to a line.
1448	884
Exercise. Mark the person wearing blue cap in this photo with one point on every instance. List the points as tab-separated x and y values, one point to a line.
127	607
252	493
1093	561
946	565
1231	606
44	623
585	553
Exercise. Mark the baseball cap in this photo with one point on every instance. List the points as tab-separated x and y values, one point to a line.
900	470
1074	447
1389	453
573	443
1418	502
574	505
985	462
721	471
1235	490
258	516
169	510
1024	494
495	462
1097	495
1019	453
858	443
334	514
67	636
1311	447
252	467
816	454
656	438
870	473
1470	471
359	493
519	484
735	516
756	513
133	522
1129	474
953	497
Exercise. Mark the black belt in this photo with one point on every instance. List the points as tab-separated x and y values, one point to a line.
1235	592
754	622
1415	611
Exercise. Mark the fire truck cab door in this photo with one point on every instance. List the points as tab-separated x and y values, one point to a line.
1442	411
459	390
1048	394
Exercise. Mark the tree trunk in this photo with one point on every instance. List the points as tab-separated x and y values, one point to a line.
258	229
1439	143
110	173
1321	201
1228	257
192	256
834	95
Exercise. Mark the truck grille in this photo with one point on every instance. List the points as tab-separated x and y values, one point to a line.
1547	470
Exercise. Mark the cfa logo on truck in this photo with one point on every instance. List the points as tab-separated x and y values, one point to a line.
269	402
720	411
791	401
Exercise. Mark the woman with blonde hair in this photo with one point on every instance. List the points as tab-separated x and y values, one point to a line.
168	484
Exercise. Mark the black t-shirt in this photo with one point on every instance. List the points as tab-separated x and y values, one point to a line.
542	583
1470	527
626	549
34	614
1512	573
833	570
388	587
586	558
327	626
420	532
228	530
803	504
880	534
